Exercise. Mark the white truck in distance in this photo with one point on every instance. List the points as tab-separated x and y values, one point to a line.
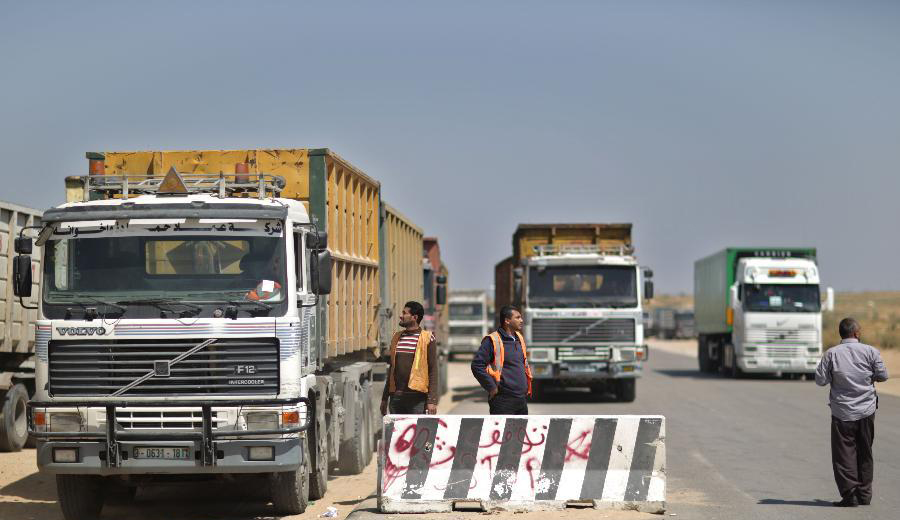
759	310
469	320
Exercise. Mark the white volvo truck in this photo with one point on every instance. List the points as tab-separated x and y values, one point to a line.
184	327
759	310
581	291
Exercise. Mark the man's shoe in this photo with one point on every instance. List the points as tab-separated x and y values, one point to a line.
863	501
849	501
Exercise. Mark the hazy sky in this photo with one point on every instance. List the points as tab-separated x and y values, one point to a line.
706	124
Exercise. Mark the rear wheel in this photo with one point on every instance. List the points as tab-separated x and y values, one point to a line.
290	490
626	390
13	426
703	355
352	454
80	496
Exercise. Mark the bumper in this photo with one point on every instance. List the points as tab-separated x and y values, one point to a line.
231	457
464	345
587	371
111	452
764	365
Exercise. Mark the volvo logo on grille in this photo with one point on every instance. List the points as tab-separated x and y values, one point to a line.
81	331
161	368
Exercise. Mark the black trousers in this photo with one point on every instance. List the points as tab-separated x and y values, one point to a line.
503	404
407	403
851	456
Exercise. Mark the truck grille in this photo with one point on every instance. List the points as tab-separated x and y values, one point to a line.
466	330
99	368
590	330
153	419
582	353
782	352
782	336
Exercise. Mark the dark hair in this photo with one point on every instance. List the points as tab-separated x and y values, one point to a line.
506	312
416	309
848	327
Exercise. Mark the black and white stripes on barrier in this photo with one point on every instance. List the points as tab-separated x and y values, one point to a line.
429	463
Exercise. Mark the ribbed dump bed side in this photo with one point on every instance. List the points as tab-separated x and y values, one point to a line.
17	332
606	237
403	267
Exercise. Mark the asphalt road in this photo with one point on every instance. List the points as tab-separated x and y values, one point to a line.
750	448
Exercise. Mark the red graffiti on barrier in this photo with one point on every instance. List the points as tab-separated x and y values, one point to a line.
579	447
413	440
408	441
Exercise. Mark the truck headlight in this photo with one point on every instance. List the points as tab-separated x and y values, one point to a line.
260	420
64	422
626	354
539	354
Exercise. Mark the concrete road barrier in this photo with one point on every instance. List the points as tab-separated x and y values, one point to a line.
431	463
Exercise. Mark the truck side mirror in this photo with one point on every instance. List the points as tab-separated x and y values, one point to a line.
22	275
441	296
648	289
518	272
23	246
321	269
828	305
735	296
317	240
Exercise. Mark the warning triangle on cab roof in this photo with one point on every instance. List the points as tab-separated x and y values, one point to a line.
172	184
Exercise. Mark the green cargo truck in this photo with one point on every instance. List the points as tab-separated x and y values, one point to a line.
759	310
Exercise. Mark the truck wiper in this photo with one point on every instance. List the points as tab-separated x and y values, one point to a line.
164	304
79	300
259	305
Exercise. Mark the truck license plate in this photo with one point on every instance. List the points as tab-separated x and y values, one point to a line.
582	368
162	453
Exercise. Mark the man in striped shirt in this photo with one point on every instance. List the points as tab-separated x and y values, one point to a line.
403	372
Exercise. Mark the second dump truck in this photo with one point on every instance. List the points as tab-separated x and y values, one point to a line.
759	310
580	290
208	313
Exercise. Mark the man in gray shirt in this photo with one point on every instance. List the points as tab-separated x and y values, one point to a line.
852	368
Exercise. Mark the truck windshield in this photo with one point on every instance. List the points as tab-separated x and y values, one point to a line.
781	297
200	269
582	286
462	311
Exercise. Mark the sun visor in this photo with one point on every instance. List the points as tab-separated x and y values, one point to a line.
227	212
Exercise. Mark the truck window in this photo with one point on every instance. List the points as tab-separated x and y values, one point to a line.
614	286
200	268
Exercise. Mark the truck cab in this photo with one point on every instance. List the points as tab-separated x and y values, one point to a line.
468	319
777	309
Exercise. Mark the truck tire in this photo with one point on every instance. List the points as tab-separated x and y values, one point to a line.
626	390
290	490
445	385
703	355
13	424
731	370
80	496
352	454
318	448
537	391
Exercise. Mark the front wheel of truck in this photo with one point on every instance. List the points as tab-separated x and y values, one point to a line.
13	428
626	390
80	496
290	491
